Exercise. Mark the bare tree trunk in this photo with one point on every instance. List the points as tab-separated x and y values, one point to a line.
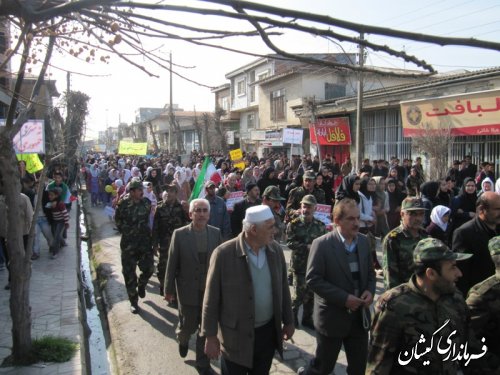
20	259
206	119
219	128
199	131
153	134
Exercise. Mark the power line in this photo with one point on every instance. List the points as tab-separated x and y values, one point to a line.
457	17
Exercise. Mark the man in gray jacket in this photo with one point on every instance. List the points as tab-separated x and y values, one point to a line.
341	275
247	296
189	256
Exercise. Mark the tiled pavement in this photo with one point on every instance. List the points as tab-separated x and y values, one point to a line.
54	304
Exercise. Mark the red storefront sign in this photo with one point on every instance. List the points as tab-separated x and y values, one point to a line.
331	131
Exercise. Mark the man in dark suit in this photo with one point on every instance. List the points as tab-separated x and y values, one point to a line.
472	238
238	214
189	256
340	272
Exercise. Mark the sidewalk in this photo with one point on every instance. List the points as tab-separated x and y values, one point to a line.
54	303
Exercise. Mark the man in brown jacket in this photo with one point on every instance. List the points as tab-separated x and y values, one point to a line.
247	295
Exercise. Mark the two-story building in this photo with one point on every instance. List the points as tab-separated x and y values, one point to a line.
261	96
466	103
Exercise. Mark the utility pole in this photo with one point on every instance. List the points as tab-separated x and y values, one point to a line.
170	109
359	107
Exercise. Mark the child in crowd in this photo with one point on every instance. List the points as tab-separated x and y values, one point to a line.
60	220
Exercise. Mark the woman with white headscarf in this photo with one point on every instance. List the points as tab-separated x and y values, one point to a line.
439	228
184	191
136	172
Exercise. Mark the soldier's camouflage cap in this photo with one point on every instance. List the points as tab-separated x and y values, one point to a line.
272	192
412	204
309	175
135	185
494	246
431	249
309	199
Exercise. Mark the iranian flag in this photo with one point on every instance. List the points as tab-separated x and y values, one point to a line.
207	170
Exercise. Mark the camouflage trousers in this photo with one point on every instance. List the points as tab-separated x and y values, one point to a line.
131	258
161	267
302	295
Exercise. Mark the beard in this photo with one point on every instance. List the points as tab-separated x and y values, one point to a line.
443	286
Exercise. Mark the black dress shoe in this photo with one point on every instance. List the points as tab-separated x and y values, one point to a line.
141	291
183	350
134	308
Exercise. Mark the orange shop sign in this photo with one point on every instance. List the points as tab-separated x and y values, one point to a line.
473	113
331	131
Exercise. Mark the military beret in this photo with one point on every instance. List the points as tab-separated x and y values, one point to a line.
272	192
431	250
135	185
412	204
494	246
309	199
309	175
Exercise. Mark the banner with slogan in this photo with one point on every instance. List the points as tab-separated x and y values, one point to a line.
241	165
33	163
234	197
472	113
236	157
323	213
129	148
293	136
236	154
331	131
31	138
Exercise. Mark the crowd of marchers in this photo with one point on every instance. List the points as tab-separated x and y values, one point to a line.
223	267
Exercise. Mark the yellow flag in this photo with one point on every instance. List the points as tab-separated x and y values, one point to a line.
33	163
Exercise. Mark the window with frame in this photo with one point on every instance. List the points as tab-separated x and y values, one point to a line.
263	75
224	103
278	105
241	87
333	90
251	121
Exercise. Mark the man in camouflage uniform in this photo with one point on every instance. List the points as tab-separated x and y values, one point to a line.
169	216
484	303
398	245
132	219
301	232
428	307
273	199
296	195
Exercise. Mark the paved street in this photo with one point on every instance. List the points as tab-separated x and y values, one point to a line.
139	344
145	343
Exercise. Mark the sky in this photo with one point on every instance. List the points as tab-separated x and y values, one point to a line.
118	89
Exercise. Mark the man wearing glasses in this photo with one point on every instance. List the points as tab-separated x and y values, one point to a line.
189	255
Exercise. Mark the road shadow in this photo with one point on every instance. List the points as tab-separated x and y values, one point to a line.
158	323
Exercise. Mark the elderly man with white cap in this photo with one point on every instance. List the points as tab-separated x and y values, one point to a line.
247	296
